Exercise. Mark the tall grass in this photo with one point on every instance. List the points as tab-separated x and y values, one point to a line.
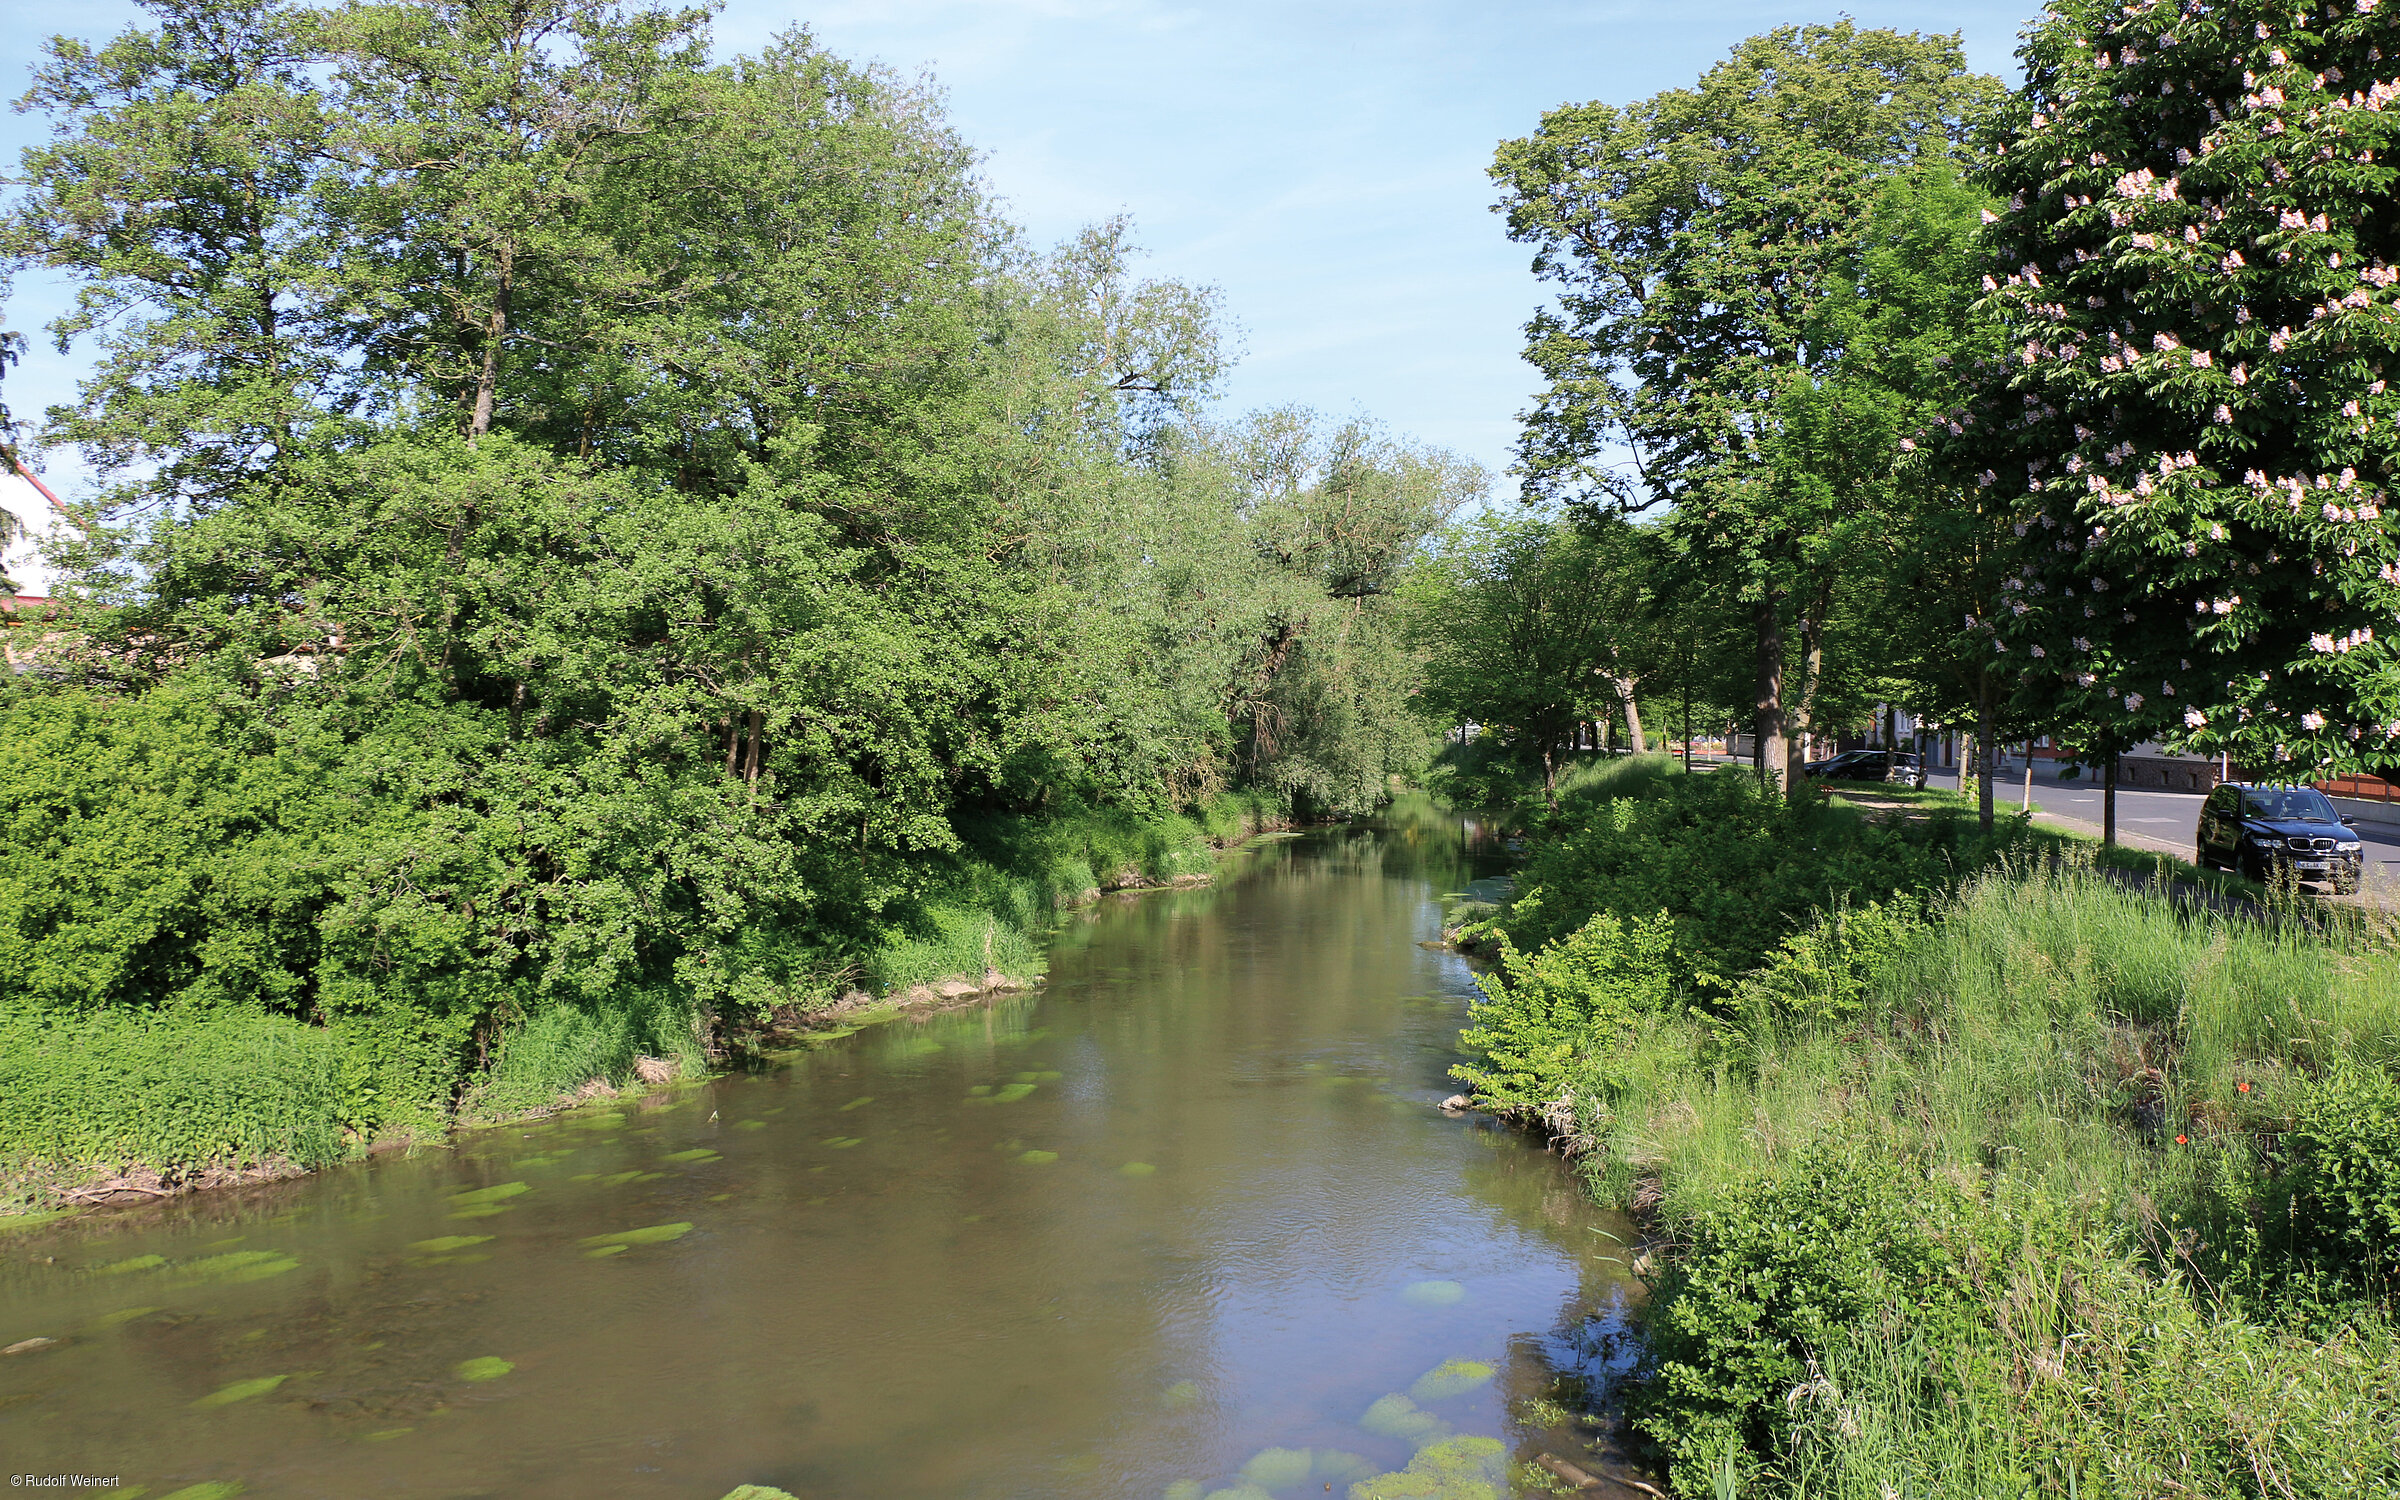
2103	1075
2044	1023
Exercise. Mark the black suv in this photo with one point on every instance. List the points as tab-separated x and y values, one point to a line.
1862	765
2267	831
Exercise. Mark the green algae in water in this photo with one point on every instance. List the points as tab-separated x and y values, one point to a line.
1459	1468
655	1234
138	1263
1433	1294
214	1489
979	1090
749	1124
1038	1158
444	1244
1278	1468
497	1193
617	1179
240	1390
239	1265
483	1210
760	1492
123	1315
1136	1169
1452	1377
1185	1489
487	1367
1047	1077
1395	1416
843	1142
11	1223
1239	1492
386	1435
861	1102
697	1153
605	1251
1182	1393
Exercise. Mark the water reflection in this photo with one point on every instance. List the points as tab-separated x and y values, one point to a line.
1179	1224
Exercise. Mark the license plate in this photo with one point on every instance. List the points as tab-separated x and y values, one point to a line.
2311	864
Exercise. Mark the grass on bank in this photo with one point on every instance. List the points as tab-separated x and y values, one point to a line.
2027	1183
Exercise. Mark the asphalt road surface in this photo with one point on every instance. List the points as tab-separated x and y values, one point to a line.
2167	820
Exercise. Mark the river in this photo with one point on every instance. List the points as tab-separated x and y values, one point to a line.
1188	1213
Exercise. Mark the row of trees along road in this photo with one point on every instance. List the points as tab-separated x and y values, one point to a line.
2060	409
626	519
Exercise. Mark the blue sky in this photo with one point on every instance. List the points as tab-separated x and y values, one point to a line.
1322	163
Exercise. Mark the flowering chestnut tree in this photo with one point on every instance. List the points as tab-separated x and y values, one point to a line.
2194	271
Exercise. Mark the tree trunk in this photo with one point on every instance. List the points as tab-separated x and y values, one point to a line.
758	734
1812	667
2028	804
1687	725
1550	774
1633	713
1891	739
1987	745
495	329
1769	754
2108	794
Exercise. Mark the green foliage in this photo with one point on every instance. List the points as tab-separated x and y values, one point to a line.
598	548
1545	1018
1736	866
2345	1175
1826	1244
1531	625
112	1089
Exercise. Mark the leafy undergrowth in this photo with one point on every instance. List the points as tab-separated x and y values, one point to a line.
2022	1182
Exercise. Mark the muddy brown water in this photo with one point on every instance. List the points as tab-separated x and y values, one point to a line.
1192	1202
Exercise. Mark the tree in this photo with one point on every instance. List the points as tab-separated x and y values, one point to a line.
2193	276
1706	245
178	190
1527	623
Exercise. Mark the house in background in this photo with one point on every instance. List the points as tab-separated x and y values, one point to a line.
38	518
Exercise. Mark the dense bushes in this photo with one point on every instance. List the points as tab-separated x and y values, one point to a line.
1735	866
437	920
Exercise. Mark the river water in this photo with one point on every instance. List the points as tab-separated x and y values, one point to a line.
1188	1211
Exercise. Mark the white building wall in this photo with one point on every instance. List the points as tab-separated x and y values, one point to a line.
21	560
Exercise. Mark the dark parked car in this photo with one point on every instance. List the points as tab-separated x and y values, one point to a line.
2270	831
1862	765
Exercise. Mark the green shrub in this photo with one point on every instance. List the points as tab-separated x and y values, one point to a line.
2345	1172
1547	1017
166	1090
1737	866
1753	1291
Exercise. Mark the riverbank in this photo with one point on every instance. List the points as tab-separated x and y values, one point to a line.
1973	1175
120	1106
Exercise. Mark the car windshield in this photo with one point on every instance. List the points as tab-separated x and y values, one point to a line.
2298	805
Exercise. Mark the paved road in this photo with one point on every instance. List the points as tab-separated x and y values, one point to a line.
2167	820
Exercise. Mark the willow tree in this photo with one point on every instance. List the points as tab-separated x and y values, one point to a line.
1705	246
2195	276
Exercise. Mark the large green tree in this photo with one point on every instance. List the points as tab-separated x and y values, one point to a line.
1706	247
2192	427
